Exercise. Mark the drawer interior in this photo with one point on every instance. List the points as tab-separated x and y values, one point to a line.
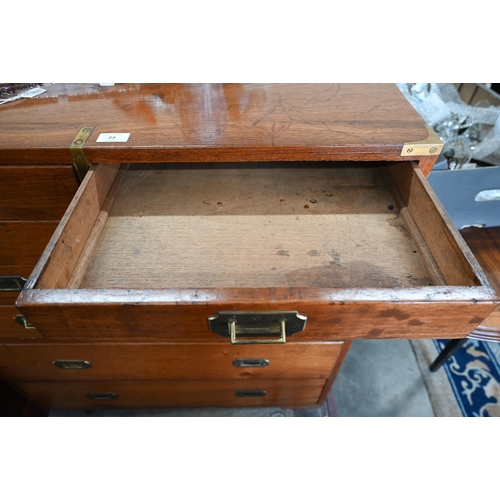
329	225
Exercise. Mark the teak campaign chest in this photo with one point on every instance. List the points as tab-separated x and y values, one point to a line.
227	250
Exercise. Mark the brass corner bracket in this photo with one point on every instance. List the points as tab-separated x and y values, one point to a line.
76	150
431	146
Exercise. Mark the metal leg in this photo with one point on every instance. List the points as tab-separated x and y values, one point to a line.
451	347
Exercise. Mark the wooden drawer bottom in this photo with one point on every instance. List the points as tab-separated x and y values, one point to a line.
167	394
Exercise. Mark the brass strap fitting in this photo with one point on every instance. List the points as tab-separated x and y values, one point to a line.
76	150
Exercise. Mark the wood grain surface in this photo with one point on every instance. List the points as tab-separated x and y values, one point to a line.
273	227
167	361
212	122
67	243
36	192
22	243
10	331
344	311
455	262
138	316
287	393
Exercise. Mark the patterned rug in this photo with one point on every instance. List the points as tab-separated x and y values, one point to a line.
468	384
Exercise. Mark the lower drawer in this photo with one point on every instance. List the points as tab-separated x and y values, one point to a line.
185	394
81	362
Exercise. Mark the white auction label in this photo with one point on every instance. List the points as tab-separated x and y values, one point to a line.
113	137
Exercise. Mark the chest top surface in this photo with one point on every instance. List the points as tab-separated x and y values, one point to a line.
211	122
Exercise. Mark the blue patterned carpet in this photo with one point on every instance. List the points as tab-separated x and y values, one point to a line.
474	375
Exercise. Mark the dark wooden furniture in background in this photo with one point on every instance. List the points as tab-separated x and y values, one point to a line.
231	198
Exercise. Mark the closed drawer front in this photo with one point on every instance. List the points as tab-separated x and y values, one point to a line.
22	243
152	251
12	331
36	192
192	393
167	361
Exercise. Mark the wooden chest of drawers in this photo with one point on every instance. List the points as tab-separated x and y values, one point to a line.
226	254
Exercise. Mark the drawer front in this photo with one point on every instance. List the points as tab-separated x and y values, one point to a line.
22	243
326	321
167	362
186	394
36	192
11	331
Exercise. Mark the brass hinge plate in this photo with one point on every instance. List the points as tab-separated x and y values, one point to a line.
431	146
76	150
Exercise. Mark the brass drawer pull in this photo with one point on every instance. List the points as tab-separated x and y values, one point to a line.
255	393
102	396
12	283
72	364
251	362
21	320
245	330
257	327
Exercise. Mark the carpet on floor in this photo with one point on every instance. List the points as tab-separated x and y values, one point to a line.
468	384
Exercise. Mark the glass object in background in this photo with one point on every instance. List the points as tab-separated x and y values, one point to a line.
468	132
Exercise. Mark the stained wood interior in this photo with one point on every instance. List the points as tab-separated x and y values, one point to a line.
279	226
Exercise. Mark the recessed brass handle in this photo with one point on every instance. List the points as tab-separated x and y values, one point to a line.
72	364
102	396
252	393
257	327
233	331
251	362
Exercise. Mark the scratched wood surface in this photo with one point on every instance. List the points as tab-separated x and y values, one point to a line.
211	122
181	316
273	227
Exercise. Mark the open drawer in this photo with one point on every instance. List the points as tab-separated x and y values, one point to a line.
152	251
